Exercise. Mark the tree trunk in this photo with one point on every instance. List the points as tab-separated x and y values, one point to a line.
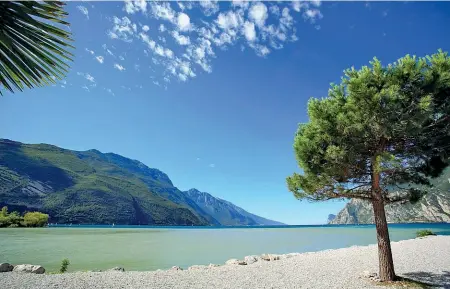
385	261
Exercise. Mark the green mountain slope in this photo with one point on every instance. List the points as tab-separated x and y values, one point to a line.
89	187
433	207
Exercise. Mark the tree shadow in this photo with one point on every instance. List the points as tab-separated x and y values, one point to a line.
441	280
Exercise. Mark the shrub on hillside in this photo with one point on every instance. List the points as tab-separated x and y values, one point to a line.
9	219
424	233
35	219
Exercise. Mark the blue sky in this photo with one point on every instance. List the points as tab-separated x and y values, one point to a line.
212	94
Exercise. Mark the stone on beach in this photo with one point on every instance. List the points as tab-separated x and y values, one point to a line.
270	257
6	267
235	262
118	269
176	268
251	259
28	268
423	260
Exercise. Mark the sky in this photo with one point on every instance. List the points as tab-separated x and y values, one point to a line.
211	93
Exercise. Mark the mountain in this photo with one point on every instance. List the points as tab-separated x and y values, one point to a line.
91	187
433	207
226	213
331	218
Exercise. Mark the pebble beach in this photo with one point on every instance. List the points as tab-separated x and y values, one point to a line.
426	260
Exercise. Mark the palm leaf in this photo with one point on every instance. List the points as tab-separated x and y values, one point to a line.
33	51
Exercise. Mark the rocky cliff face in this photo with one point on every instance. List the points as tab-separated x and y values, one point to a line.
433	207
226	213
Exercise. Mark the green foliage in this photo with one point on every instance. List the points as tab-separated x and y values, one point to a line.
4	211
33	47
35	219
389	121
64	265
424	233
13	219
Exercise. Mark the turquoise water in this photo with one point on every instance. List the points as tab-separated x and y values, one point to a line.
151	248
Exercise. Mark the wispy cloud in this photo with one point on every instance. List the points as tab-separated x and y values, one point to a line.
100	58
83	10
212	165
87	76
185	46
119	67
123	29
89	51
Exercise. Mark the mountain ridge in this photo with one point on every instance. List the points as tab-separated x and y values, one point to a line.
225	212
92	187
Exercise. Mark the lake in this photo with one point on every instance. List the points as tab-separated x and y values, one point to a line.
150	248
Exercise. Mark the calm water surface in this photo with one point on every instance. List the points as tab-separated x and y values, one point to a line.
138	248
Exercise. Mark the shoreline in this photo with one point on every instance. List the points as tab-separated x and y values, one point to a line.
422	259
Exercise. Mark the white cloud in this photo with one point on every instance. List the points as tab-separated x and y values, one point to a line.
312	15
162	10
99	58
229	20
316	3
110	91
121	58
181	39
119	67
132	7
83	10
245	24
249	31
275	10
90	77
209	7
212	165
183	22
258	13
85	87
87	76
90	51
123	29
107	50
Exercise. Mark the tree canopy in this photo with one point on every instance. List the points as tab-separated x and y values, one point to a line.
33	51
392	120
379	135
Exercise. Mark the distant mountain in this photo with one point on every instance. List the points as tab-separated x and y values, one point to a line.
433	207
226	213
331	217
91	187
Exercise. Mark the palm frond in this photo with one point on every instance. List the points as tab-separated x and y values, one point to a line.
33	51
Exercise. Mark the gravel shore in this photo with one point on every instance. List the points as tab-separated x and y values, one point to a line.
426	260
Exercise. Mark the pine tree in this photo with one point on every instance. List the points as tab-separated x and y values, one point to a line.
378	136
